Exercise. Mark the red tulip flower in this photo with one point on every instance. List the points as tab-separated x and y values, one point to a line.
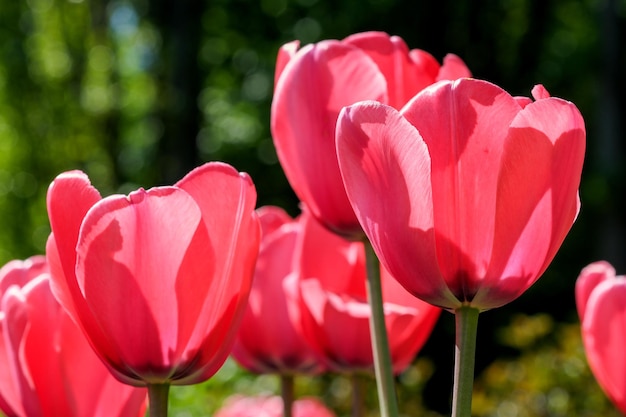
467	193
313	83
270	338
271	406
48	368
600	296
158	280
335	310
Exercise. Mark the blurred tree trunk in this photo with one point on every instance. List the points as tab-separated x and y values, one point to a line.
111	119
181	28
608	149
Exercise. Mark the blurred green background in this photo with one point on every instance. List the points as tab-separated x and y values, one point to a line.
137	93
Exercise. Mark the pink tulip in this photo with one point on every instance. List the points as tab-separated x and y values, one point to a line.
271	406
157	280
466	193
600	299
270	338
312	84
335	310
48	368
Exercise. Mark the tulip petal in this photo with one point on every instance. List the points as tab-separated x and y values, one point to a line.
19	272
537	198
227	200
387	174
590	277
151	250
411	328
39	348
603	330
49	367
270	406
285	54
539	92
95	393
69	198
268	298
409	319
68	294
342	259
18	386
9	393
312	89
406	74
453	68
273	299
332	323
271	219
464	124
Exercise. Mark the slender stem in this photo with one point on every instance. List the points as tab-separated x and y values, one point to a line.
357	395
287	393
158	395
466	319
380	344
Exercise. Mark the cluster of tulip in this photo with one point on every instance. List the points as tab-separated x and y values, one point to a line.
463	192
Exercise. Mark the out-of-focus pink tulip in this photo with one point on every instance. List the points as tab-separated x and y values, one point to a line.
158	280
313	83
48	368
270	337
600	300
466	193
335	310
271	406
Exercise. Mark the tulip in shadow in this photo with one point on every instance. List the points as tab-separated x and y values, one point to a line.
48	367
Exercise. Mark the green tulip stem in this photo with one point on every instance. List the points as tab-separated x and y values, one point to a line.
466	319
380	344
357	394
157	399
287	393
